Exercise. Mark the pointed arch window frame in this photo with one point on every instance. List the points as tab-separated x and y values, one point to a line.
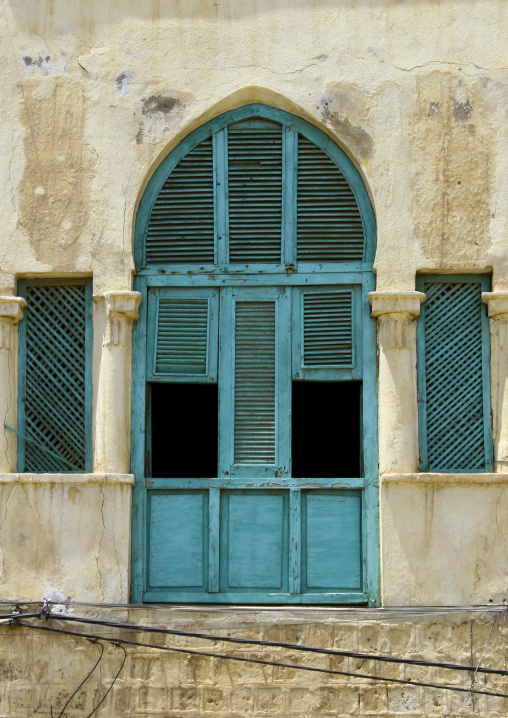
285	274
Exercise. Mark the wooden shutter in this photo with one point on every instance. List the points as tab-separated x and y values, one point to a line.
326	326
454	377
255	191
329	223
183	326
55	356
255	382
181	225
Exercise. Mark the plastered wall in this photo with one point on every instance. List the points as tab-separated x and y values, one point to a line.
44	669
95	95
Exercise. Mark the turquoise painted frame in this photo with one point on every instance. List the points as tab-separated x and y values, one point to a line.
214	127
51	281
484	281
359	274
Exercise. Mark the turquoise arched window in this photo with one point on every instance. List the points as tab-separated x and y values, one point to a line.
254	385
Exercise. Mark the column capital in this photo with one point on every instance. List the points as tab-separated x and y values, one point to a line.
497	303
121	312
125	304
403	303
11	309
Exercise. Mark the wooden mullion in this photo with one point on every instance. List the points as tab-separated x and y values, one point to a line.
139	442
213	540
295	542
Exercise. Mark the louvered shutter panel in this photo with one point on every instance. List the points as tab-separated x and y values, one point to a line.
329	225
254	417
328	328
54	437
184	323
255	382
182	334
181	225
454	376
255	192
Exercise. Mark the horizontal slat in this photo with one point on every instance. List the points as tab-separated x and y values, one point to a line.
255	193
254	414
327	328
328	219
182	336
181	226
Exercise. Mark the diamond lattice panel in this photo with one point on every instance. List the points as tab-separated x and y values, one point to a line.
453	374
55	379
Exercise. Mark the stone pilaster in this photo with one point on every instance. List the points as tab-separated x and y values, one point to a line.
11	313
112	424
497	304
396	313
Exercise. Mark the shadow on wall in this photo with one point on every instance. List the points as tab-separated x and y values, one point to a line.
57	13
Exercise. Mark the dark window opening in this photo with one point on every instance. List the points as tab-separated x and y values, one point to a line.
326	429
184	423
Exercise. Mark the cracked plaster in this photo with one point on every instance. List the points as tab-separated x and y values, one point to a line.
77	149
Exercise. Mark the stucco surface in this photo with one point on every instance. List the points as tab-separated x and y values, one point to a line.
43	669
94	97
65	537
443	539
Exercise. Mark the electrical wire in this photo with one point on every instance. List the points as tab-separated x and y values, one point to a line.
478	666
368	612
260	661
119	645
82	682
275	644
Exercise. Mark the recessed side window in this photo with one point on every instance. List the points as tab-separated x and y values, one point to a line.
55	387
454	375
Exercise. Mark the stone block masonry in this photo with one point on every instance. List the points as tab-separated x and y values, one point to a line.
40	670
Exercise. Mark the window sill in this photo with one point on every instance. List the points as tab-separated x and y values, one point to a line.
99	478
445	479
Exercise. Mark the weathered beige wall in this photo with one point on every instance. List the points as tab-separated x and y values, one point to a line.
65	537
444	539
94	96
43	669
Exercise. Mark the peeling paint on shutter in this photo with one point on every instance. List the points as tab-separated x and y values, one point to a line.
181	226
328	219
454	376
327	328
254	415
54	405
255	192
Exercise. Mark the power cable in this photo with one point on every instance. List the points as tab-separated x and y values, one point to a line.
276	644
82	682
260	661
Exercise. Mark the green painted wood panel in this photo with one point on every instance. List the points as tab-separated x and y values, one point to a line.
182	334
254	541
181	225
55	376
178	540
254	382
329	221
254	433
453	367
255	191
263	539
332	541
